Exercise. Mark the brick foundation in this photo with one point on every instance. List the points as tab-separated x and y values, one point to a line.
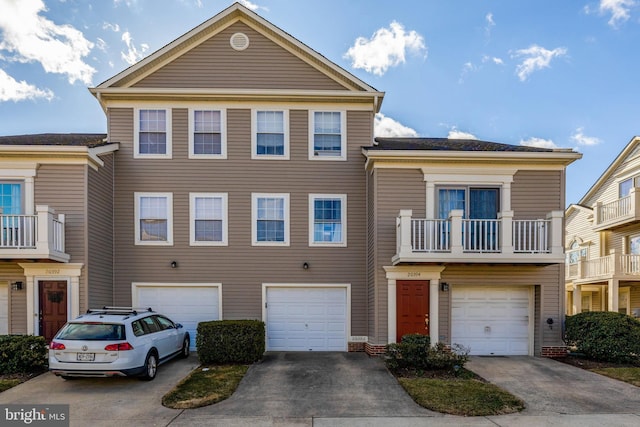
554	352
355	347
374	349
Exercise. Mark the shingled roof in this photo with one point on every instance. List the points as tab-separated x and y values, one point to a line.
89	140
446	144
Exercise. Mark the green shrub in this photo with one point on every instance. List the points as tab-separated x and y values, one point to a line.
230	341
414	352
605	336
22	354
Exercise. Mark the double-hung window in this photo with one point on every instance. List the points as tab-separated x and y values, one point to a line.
270	219
154	218
327	135
270	134
327	220
152	133
207	134
17	230
208	218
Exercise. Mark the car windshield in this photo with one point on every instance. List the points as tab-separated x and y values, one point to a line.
92	332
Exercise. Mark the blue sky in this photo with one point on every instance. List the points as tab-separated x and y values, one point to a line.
545	72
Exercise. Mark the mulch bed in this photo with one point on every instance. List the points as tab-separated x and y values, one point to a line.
588	364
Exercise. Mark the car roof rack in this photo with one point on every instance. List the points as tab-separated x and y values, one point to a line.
119	310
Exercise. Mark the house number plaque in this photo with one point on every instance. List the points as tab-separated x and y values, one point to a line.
413	274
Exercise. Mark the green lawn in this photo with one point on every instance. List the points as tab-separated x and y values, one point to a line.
627	374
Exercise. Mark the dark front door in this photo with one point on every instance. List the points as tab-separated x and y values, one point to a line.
412	309
53	307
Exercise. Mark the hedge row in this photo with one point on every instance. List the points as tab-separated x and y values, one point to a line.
22	354
230	341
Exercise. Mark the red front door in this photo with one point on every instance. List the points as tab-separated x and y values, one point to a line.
412	309
53	307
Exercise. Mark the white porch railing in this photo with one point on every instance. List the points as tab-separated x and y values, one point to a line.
33	236
614	210
488	240
604	267
618	212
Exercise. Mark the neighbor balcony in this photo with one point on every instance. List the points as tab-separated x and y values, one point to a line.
615	265
460	240
39	236
623	211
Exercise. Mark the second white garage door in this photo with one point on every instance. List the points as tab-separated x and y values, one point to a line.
306	319
491	320
185	304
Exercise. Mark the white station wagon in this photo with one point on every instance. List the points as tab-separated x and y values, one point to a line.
116	341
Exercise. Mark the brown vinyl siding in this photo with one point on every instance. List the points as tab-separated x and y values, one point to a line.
536	193
396	189
263	65
100	234
11	272
372	264
240	267
64	188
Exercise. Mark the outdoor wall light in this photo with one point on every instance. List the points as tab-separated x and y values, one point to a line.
174	264
16	286
305	265
444	287
550	322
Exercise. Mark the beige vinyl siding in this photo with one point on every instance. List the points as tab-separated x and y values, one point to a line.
536	193
578	227
11	272
263	65
372	264
64	188
547	303
396	189
100	234
240	267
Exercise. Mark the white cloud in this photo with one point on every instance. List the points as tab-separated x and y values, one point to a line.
252	6
29	37
490	23
13	90
619	10
454	133
386	48
538	142
494	59
109	26
128	3
387	127
581	139
536	58
101	44
133	54
467	68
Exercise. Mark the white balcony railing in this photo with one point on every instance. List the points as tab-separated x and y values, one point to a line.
618	212
604	267
39	236
457	239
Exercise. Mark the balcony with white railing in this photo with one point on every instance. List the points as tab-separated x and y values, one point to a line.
622	211
611	266
457	239
38	236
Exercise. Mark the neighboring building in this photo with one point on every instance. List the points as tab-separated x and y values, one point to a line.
602	240
239	180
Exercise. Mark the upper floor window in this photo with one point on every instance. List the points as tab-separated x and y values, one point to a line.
270	218
327	219
154	218
475	203
576	253
208	213
207	134
624	188
11	198
152	133
270	135
327	135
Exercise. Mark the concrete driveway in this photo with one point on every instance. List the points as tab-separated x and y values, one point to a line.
551	387
107	401
306	385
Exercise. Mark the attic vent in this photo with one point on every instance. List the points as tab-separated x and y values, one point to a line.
239	41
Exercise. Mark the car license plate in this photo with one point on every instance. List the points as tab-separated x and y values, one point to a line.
86	357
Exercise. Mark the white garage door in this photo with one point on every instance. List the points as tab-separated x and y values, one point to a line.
491	320
306	319
181	303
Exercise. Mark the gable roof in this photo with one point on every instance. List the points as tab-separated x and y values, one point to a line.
122	83
624	154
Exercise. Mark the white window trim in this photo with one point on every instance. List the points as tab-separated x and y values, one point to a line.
169	241
254	218
343	214
343	136
223	133
136	134
254	131
192	218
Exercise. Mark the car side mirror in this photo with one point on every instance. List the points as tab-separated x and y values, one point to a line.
178	325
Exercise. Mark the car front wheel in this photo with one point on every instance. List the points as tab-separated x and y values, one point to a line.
150	367
184	353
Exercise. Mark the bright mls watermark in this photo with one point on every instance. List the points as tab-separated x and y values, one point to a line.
34	415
